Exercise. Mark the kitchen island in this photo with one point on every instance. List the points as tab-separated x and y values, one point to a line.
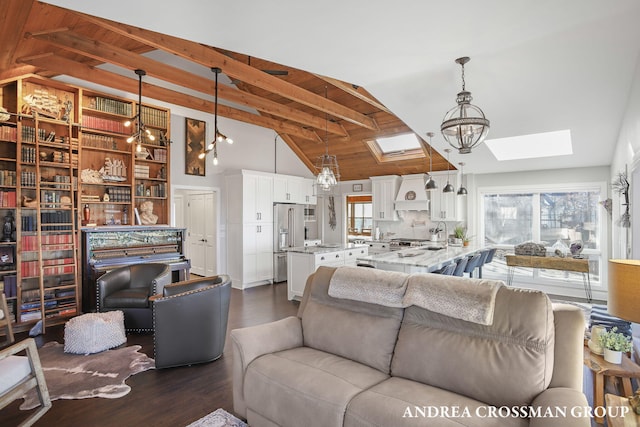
422	259
303	261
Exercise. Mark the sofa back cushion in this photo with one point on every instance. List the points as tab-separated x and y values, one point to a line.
356	330
508	362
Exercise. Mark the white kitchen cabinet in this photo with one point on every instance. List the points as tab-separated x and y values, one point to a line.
383	190
378	248
300	265
288	189
309	191
446	206
250	228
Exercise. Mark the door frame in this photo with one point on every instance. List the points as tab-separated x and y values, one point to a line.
221	236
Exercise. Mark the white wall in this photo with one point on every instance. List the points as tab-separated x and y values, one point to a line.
627	157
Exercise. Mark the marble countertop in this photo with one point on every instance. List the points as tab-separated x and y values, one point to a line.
424	256
321	249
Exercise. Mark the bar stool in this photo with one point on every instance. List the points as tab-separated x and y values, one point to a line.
488	258
472	263
446	270
460	266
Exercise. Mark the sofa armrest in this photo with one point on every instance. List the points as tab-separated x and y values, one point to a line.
255	341
568	347
559	399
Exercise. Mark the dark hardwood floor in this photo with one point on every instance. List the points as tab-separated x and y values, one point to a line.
166	397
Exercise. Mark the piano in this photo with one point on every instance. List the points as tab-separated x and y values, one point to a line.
109	247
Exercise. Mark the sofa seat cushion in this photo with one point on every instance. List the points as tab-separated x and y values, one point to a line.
305	386
401	402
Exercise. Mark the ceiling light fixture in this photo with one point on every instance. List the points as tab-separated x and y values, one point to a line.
141	131
326	165
218	136
430	183
462	191
464	126
448	188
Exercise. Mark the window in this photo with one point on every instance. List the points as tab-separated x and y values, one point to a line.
406	146
359	216
548	216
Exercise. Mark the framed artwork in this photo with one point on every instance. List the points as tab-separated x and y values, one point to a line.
195	142
357	187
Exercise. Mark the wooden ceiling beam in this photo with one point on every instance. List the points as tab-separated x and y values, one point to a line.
60	65
353	91
104	52
209	57
16	14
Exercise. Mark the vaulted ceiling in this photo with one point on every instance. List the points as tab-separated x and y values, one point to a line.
305	109
536	67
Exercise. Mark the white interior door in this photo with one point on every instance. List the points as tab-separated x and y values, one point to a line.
196	233
210	234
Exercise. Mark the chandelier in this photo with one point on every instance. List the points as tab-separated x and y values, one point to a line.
218	136
141	132
327	165
464	126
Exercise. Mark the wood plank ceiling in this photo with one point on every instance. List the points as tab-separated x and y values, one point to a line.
305	109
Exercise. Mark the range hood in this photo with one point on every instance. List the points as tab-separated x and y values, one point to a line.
412	196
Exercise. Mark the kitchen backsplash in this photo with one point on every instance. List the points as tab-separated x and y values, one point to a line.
412	225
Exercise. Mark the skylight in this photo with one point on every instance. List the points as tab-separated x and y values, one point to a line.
548	144
398	143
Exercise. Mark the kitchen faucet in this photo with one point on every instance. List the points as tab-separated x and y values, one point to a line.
446	232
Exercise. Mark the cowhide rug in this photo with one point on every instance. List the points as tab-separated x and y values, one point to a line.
72	376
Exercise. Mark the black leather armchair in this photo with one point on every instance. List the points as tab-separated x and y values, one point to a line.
190	321
128	289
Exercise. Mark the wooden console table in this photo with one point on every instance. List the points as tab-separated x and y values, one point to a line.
578	265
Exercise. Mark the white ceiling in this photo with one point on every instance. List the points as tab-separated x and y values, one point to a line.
535	67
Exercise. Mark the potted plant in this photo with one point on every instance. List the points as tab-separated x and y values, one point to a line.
459	233
614	344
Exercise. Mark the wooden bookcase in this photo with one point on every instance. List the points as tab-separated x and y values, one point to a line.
64	148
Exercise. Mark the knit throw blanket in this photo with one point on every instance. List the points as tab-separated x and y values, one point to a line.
368	285
472	300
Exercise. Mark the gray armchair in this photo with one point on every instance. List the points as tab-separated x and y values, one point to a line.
190	320
128	289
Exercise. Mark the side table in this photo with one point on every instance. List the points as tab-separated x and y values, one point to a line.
630	419
601	368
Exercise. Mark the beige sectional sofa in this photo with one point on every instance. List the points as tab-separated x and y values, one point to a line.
377	348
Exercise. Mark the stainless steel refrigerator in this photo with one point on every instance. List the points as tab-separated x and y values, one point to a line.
288	232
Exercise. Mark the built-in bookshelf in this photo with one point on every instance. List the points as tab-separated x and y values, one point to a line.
65	163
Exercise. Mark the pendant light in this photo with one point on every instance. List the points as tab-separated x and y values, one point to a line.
218	136
430	183
326	165
141	132
448	188
462	191
464	126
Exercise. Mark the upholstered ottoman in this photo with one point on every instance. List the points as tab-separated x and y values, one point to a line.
94	332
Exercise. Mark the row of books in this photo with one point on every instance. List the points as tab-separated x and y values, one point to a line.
7	199
28	155
155	190
119	194
8	133
28	179
7	177
112	106
141	171
49	266
108	125
99	141
50	242
10	285
160	154
153	117
29	134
